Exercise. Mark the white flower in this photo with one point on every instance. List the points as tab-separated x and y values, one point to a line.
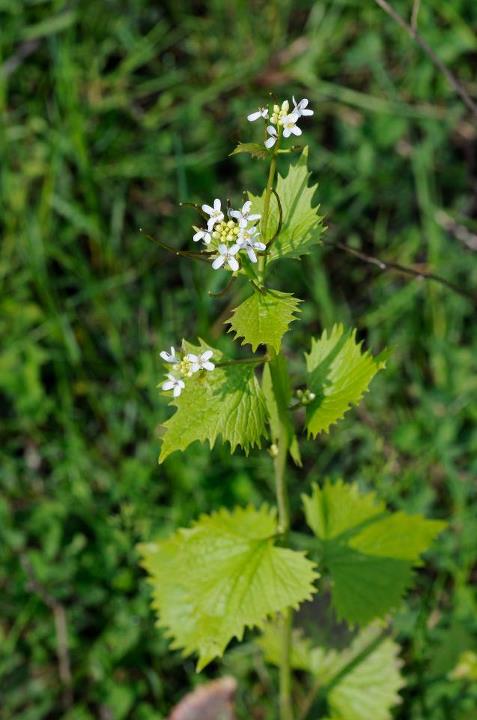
290	126
270	142
301	108
242	216
261	112
202	235
173	383
216	214
200	362
169	357
227	256
248	241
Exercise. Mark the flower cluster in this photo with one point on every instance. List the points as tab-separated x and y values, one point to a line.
184	367
232	234
282	121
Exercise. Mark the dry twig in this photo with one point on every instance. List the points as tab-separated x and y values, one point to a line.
416	6
402	269
451	78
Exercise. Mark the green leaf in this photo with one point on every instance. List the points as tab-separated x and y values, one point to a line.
364	679
277	391
224	574
264	318
253	149
302	226
338	374
227	401
368	551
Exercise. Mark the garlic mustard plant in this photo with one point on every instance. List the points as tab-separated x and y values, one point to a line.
242	569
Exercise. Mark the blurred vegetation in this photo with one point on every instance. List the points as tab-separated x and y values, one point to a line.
110	114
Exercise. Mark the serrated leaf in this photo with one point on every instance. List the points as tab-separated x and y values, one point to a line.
368	691
253	149
277	391
302	226
222	575
369	552
339	374
226	402
264	318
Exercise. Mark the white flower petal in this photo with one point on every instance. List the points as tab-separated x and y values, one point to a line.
198	236
169	357
168	385
207	209
206	355
271	130
217	205
235	214
251	254
270	142
222	249
233	264
307	112
208	366
286	132
260	246
295	130
254	116
246	207
234	249
252	218
177	390
195	367
191	357
218	262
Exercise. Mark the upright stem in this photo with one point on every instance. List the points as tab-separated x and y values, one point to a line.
268	194
266	207
279	464
280	482
285	699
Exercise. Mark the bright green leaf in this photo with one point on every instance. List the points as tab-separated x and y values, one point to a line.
368	552
369	690
302	226
338	374
224	574
263	318
227	401
337	508
253	149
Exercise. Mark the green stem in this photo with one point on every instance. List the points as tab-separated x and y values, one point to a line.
285	700
285	697
280	483
280	460
268	195
262	263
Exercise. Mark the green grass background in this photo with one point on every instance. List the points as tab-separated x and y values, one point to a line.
113	112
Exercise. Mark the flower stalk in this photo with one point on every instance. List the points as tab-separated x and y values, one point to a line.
279	463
